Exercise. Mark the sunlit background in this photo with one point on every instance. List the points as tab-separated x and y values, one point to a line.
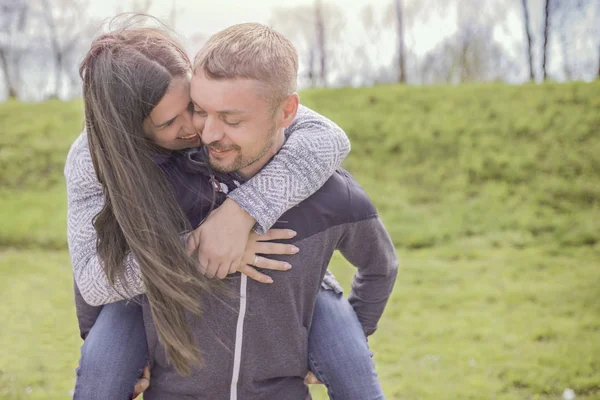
475	129
357	41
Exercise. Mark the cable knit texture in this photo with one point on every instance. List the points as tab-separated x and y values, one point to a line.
314	149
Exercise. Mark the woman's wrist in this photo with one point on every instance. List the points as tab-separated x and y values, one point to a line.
230	207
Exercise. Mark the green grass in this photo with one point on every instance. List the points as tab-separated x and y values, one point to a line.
491	194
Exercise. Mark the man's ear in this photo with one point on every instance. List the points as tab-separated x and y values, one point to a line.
289	109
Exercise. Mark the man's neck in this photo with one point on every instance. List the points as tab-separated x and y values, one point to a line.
255	167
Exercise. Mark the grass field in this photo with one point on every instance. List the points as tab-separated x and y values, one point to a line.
491	194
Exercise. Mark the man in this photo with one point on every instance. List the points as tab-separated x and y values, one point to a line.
254	342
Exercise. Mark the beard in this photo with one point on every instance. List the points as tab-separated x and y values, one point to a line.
242	159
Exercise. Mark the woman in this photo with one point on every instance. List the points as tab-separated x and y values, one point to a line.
136	83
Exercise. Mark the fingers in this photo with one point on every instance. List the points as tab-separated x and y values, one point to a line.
274	234
252	273
274	248
311	379
211	270
267	263
235	265
143	383
203	263
191	244
222	271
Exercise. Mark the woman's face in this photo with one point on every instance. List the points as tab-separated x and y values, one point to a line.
170	122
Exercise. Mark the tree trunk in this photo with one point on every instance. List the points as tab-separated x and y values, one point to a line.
598	76
312	76
58	57
546	31
401	50
320	25
528	33
56	49
11	91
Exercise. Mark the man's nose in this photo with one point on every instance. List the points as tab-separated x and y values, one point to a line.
213	130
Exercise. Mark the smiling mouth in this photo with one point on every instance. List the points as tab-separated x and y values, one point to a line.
189	137
218	152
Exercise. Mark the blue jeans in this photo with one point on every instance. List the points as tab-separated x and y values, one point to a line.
338	353
115	352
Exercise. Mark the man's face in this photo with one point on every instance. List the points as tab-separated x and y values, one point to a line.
170	122
235	123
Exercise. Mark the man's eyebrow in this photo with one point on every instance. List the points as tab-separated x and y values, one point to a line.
223	112
231	112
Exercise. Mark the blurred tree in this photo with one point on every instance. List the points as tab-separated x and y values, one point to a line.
401	17
301	26
368	49
398	6
472	53
321	42
577	25
68	28
13	17
528	36
547	12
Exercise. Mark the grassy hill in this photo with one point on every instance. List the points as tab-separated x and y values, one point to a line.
490	192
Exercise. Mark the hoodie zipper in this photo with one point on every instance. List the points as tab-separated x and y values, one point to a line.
239	334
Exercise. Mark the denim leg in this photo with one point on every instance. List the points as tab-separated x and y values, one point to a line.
113	354
338	352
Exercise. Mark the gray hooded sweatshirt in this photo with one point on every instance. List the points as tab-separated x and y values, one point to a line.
254	339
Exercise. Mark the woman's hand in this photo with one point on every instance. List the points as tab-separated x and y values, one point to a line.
221	239
224	244
311	379
259	244
142	383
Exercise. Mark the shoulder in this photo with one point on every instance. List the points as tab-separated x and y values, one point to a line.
341	200
355	203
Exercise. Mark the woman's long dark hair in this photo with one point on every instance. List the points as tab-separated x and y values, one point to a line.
125	74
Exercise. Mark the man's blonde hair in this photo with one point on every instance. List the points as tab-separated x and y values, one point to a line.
251	51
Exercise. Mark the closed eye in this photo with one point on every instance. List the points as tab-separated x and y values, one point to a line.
166	124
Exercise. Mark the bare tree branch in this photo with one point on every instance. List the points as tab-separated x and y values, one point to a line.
546	33
528	36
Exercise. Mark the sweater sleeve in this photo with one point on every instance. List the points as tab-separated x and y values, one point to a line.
85	199
86	314
367	245
314	149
